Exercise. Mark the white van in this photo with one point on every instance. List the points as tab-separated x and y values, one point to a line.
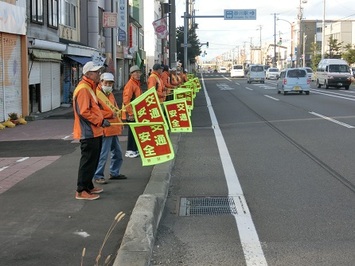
237	71
333	73
256	73
222	70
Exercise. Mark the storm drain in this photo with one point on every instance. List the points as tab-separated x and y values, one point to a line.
207	206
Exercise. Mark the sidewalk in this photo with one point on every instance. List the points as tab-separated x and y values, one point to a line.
42	223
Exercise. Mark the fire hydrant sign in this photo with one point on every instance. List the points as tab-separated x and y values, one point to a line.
153	143
178	116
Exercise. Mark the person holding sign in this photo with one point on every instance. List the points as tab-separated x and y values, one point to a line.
110	141
165	76
131	91
88	128
174	77
155	81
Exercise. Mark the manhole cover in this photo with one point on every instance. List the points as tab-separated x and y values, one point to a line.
207	206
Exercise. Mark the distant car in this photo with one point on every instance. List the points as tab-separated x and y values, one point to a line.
237	71
256	73
353	71
293	80
222	70
310	73
333	73
272	73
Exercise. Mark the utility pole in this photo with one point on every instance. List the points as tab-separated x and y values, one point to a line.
323	32
260	43
274	59
186	17
172	34
300	16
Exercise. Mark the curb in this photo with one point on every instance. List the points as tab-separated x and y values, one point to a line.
138	240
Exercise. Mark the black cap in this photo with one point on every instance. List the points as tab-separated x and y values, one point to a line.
157	66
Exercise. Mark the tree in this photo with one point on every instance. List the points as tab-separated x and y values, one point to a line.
316	57
349	54
192	39
334	48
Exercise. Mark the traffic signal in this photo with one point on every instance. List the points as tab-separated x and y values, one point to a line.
280	41
207	44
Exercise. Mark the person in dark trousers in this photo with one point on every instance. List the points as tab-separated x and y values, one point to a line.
131	90
88	128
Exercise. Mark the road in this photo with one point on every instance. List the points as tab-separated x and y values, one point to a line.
264	179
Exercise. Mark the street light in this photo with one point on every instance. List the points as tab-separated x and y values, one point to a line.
291	39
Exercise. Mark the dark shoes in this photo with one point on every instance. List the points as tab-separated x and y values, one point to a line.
112	177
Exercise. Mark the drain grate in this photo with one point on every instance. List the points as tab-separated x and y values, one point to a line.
207	206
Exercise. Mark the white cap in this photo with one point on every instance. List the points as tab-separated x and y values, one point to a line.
173	69
107	76
91	66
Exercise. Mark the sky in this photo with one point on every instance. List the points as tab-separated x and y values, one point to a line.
225	35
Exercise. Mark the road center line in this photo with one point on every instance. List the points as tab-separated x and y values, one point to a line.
332	120
249	238
249	88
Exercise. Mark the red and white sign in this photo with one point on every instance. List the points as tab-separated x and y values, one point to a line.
109	20
161	28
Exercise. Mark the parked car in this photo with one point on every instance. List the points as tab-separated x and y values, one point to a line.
237	71
310	73
256	73
222	70
333	73
293	80
272	73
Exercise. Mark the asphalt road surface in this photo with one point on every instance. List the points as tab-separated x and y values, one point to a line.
263	179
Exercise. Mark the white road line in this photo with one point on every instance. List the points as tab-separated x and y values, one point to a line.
249	88
249	238
22	159
332	120
3	168
272	98
66	137
237	83
335	95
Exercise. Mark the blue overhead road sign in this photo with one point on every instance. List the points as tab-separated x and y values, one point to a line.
240	14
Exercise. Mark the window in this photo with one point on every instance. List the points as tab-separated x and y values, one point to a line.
296	73
37	11
257	68
53	13
67	13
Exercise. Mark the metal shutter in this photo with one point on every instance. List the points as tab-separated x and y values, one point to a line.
10	75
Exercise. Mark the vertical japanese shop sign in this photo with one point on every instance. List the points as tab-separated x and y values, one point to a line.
122	21
178	116
153	143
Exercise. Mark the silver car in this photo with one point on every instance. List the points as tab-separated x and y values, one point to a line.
293	80
272	73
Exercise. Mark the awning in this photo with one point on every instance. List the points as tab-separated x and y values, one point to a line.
42	55
82	60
